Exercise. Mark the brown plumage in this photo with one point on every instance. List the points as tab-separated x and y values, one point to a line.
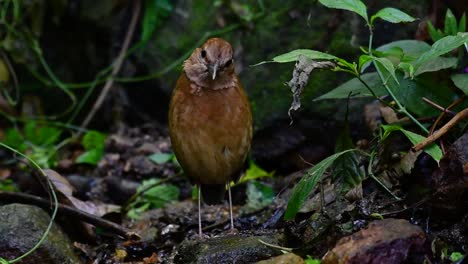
210	120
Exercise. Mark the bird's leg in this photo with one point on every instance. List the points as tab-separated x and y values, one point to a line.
233	230
200	233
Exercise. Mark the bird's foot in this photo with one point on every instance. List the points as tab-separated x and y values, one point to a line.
233	231
202	236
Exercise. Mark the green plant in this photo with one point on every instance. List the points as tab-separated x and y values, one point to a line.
310	260
39	141
400	72
456	256
254	172
451	26
152	195
7	185
93	143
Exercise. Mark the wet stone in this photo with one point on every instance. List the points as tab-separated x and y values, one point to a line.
22	226
241	248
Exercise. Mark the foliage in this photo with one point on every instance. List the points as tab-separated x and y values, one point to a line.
254	172
7	185
155	11
93	143
310	260
347	171
433	150
153	197
398	70
456	256
451	26
307	184
39	141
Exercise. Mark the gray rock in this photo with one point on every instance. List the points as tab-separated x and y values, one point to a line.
228	249
21	227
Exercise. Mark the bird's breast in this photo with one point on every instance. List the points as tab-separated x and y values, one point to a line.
211	132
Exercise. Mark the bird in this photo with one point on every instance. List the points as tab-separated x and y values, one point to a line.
210	122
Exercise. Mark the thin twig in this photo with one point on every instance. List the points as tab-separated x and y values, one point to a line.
7	197
459	100
457	118
444	110
117	65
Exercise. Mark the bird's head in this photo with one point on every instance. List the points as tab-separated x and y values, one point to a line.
211	65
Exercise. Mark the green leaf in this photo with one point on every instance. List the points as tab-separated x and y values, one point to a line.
14	139
92	156
93	142
450	23
435	34
160	195
436	64
410	92
441	47
456	256
7	185
408	68
310	260
161	158
311	54
363	60
154	197
93	139
462	24
386	69
386	130
41	135
135	212
355	6
155	11
356	88
411	48
347	171
255	172
461	81
432	150
307	184
392	15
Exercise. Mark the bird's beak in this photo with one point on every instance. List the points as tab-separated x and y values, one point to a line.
214	70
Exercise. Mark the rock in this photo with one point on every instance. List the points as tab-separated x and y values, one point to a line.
289	258
228	249
21	227
384	242
460	148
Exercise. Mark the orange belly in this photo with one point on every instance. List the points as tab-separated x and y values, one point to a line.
210	132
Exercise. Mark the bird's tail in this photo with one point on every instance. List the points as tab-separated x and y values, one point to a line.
213	193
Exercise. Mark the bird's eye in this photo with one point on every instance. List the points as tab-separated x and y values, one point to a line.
203	53
228	63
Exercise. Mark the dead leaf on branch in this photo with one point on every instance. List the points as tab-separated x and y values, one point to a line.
304	66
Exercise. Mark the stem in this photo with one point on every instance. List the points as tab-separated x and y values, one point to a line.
371	91
116	65
54	78
127	204
371	37
371	174
401	108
